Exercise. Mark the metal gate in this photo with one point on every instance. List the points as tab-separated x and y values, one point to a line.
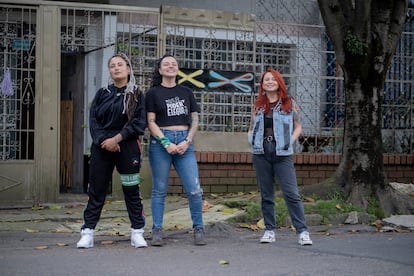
17	97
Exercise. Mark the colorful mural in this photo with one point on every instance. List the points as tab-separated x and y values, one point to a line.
216	80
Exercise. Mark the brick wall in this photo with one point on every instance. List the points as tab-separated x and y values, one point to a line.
222	172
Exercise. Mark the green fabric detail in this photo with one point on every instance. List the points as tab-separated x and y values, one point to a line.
164	141
130	179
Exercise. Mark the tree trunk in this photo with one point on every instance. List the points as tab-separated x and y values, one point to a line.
365	35
361	171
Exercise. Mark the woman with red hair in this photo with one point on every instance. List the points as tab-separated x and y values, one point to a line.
275	125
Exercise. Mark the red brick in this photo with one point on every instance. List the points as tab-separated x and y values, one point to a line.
229	167
395	174
223	157
317	174
297	158
249	173
230	157
211	181
245	180
219	173
204	173
203	157
312	158
409	174
210	157
397	159
228	180
216	157
219	189
309	181
243	158
236	158
302	173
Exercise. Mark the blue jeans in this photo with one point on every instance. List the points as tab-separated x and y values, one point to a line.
268	166
187	169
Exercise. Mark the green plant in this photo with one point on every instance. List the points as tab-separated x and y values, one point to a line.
374	208
336	195
281	211
253	211
354	46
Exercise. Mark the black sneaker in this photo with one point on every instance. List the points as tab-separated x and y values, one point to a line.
156	237
199	236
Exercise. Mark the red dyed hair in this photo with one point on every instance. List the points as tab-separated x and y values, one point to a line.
262	102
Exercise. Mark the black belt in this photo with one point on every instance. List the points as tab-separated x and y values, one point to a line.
268	138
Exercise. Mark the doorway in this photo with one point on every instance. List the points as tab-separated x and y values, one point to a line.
72	160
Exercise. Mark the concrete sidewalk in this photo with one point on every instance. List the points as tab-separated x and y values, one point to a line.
66	217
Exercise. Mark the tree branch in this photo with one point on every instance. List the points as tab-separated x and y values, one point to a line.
334	16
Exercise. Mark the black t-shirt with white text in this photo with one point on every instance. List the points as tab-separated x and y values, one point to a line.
172	106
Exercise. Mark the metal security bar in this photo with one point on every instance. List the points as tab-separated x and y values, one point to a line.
17	74
100	33
316	81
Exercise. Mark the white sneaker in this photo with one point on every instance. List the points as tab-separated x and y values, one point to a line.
137	238
269	236
86	240
304	238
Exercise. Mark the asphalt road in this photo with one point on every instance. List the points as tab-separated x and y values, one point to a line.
230	251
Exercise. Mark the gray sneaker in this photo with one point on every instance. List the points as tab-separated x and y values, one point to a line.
199	236
156	237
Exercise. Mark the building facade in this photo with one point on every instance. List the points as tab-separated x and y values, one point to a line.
55	54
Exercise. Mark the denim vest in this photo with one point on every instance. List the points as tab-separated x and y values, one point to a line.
282	131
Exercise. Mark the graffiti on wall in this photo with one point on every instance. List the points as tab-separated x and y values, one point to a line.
216	80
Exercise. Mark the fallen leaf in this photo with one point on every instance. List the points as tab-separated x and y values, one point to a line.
377	223
28	230
55	207
42	247
61	244
107	242
229	211
69	212
244	225
402	230
261	224
224	262
308	199
206	205
338	206
179	227
254	227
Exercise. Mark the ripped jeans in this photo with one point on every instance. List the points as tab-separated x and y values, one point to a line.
187	169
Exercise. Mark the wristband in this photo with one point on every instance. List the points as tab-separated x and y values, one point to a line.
187	140
164	141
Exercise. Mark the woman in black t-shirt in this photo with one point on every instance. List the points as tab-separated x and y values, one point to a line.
172	115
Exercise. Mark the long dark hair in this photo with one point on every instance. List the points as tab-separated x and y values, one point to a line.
156	76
